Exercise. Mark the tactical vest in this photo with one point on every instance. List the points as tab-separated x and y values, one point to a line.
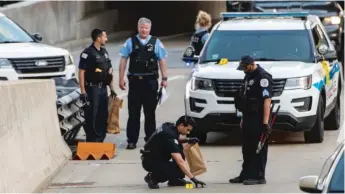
166	131
197	41
97	70
143	58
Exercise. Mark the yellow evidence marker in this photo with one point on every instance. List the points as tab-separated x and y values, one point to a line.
189	186
223	61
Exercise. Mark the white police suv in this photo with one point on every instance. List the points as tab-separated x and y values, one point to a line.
293	47
22	56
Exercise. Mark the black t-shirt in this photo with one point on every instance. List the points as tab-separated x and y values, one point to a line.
164	142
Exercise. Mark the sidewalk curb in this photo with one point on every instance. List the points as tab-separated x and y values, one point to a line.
74	45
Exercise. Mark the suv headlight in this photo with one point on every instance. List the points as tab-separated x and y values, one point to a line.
68	60
333	20
5	63
201	84
298	83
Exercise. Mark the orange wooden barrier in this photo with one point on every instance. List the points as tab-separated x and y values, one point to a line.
95	151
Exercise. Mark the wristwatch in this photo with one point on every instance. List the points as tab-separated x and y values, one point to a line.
164	78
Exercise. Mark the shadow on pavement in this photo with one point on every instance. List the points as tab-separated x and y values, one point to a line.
234	138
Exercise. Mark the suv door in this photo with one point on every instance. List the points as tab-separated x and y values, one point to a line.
330	64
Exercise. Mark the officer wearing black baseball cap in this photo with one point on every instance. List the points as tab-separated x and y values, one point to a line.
246	60
254	101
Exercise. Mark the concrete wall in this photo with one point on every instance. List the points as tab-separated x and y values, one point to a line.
60	21
168	17
32	148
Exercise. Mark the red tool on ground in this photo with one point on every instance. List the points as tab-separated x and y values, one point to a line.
263	135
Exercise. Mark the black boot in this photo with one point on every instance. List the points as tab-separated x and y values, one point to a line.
177	182
254	181
150	181
236	180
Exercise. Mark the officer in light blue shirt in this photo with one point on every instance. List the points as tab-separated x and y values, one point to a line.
201	34
146	56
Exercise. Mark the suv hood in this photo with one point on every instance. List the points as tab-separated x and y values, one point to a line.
29	50
278	69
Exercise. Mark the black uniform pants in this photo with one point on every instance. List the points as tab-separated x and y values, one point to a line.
96	113
163	171
254	165
142	93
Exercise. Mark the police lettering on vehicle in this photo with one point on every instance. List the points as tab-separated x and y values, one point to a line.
197	42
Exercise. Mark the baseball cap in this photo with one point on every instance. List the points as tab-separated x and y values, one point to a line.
245	61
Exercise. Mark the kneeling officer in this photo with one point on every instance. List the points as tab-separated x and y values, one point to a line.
163	155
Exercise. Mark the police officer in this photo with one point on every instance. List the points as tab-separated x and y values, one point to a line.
254	101
95	73
145	52
163	154
201	34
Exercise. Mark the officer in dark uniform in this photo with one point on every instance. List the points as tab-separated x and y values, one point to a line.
198	40
254	101
95	74
146	54
201	34
163	154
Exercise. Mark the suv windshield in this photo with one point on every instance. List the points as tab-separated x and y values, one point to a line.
10	32
275	45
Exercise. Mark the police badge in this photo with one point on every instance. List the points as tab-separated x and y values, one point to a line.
150	47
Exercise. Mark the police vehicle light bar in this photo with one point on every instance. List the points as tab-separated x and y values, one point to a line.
228	15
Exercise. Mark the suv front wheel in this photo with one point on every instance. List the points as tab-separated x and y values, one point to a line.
315	135
199	132
333	120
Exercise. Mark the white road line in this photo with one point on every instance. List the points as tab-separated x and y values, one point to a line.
176	77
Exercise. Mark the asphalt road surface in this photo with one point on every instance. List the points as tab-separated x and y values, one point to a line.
289	158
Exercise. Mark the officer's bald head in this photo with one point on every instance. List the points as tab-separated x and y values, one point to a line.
144	27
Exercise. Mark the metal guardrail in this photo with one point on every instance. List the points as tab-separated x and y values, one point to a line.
69	109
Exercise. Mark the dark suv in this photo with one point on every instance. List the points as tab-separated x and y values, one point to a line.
329	12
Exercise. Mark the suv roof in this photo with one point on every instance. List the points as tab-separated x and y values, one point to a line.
266	21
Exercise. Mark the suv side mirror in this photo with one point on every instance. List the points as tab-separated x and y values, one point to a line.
322	49
37	37
309	184
189	55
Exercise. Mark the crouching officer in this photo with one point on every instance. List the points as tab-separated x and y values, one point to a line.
254	101
95	73
163	155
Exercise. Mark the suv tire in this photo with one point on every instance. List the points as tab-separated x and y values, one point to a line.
199	133
333	120
316	134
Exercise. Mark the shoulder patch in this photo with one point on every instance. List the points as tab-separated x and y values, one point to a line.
84	55
265	93
264	82
175	140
